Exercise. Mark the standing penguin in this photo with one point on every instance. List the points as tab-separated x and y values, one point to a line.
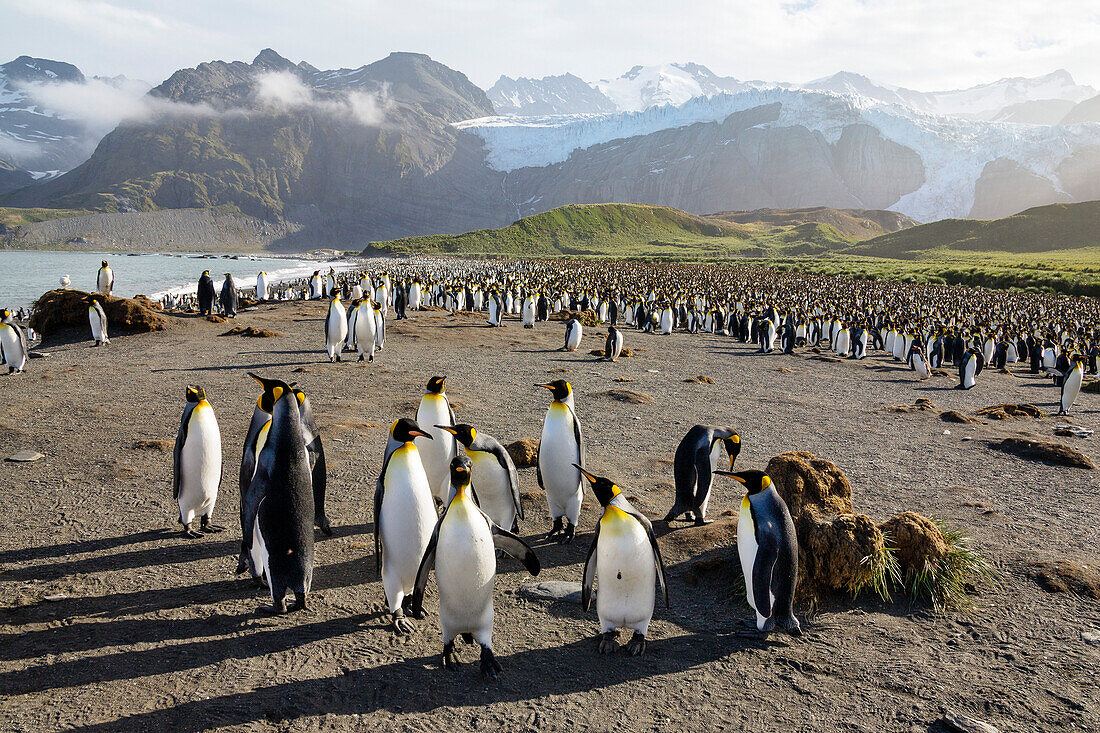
261	286
105	279
436	450
626	561
768	548
918	363
254	440
494	475
365	328
228	297
697	457
206	294
13	343
970	366
573	332
315	451
561	450
283	495
614	344
1071	384
197	464
529	312
461	551
379	326
404	517
336	328
97	319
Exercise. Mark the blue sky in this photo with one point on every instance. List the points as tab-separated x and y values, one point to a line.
923	44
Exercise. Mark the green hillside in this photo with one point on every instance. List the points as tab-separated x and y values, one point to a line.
627	230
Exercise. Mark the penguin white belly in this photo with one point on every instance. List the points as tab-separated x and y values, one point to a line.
364	331
490	482
200	464
625	574
969	372
414	297
529	313
558	451
1071	388
438	452
337	329
12	347
494	313
842	342
921	367
465	567
261	288
99	333
746	550
408	519
573	340
617	348
666	321
379	330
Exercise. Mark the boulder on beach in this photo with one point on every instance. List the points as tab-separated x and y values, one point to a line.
59	310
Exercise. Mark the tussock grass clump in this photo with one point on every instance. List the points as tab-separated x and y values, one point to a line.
879	572
944	581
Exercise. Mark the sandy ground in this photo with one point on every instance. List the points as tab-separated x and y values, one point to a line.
147	630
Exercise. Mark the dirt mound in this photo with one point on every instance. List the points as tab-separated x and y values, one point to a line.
1092	387
524	452
809	483
161	446
687	541
923	404
1003	412
62	309
832	553
626	395
916	540
1058	454
216	319
956	416
587	318
1066	577
701	379
250	332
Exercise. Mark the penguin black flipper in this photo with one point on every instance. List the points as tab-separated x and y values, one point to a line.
516	547
427	562
767	553
589	571
578	437
506	462
621	502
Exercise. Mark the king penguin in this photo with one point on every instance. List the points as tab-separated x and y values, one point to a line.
614	344
13	343
437	450
283	495
697	457
573	333
404	517
206	294
365	327
197	463
97	319
1071	384
461	551
768	548
970	367
493	473
336	328
105	279
561	450
625	560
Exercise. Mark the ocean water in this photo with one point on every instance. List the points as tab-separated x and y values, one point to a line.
24	276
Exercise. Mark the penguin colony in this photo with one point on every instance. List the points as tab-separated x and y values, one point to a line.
446	500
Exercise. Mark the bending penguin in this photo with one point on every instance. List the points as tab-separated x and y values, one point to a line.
561	451
697	457
404	518
626	560
461	551
768	548
197	464
493	473
282	493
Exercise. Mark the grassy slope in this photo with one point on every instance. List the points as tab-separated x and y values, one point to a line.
11	218
626	230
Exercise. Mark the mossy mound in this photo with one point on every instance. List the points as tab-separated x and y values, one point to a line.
59	310
587	318
524	452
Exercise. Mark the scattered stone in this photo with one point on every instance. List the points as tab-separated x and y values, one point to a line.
941	373
1072	431
626	395
251	332
923	404
1063	576
785	370
524	452
1003	412
300	370
161	446
25	456
967	438
956	416
552	590
622	379
962	724
825	357
1092	637
596	352
1092	387
1057	454
56	597
39	355
701	379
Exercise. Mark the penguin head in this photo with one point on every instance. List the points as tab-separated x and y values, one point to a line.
404	430
266	401
460	473
195	393
560	388
754	481
733	447
464	433
4	313
604	488
206	273
435	385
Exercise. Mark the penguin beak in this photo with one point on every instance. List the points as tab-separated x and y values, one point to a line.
732	459
420	434
584	473
545	386
447	429
732	475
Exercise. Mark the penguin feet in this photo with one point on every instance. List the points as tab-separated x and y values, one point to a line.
609	642
568	534
274	609
209	528
791	626
410	608
559	525
360	357
402	625
700	520
338	358
490	667
450	659
636	646
325	525
299	602
190	533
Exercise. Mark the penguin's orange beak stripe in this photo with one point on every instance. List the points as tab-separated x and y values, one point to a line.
545	386
584	473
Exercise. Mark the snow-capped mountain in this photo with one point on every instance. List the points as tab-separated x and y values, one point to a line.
49	119
653	86
986	101
550	95
857	85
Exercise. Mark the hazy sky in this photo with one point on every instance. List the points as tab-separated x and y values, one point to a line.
922	44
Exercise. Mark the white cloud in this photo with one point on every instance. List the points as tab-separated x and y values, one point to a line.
284	90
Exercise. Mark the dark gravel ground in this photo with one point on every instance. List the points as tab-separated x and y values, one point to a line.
109	620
